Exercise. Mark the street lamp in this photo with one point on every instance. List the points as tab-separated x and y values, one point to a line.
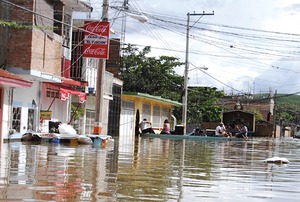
140	18
184	102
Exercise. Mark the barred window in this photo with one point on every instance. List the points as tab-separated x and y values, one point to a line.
146	111
156	117
16	121
90	120
52	93
30	121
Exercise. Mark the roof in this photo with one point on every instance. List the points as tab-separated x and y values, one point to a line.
10	79
241	111
152	97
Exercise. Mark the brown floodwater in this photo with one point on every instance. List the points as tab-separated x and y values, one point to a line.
143	169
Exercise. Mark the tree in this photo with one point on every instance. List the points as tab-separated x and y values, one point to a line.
288	112
203	105
155	76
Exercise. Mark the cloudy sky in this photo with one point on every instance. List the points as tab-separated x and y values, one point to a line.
247	46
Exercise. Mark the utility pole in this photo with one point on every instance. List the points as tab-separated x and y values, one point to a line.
274	113
100	80
184	104
123	31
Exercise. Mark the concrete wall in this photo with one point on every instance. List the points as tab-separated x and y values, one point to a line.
15	97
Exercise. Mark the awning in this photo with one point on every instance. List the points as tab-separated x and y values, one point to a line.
12	80
65	91
64	94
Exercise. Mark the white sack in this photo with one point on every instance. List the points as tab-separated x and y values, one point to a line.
66	129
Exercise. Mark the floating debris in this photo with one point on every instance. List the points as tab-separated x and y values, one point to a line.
279	160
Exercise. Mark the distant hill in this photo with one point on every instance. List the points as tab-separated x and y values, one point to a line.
281	98
288	99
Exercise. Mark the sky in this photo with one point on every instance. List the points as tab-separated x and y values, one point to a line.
247	46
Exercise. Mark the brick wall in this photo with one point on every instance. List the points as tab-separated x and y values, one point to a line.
113	64
5	14
21	15
46	53
19	41
35	48
263	130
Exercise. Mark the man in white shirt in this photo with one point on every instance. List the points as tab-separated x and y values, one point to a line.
146	127
220	130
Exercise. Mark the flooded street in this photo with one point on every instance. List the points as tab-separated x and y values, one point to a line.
145	169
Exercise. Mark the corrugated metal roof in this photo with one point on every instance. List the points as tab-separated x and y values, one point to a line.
152	97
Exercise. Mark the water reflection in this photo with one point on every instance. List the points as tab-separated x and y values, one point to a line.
142	169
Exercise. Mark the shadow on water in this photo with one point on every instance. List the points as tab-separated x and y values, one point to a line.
145	169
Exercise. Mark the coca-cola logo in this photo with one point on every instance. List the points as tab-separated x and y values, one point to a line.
96	51
64	95
96	28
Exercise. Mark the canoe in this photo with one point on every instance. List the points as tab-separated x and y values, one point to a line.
191	137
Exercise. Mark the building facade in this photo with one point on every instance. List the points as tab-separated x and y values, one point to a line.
36	45
139	106
85	69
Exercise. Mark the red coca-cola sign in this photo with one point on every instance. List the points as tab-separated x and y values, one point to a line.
96	39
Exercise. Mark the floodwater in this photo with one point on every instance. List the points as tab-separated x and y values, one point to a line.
145	169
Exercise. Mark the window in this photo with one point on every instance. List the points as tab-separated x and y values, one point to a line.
90	119
53	93
127	105
156	117
76	59
30	121
166	114
146	112
66	30
16	121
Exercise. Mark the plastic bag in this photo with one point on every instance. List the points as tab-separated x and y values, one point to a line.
66	129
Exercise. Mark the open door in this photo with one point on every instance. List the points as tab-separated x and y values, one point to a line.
137	122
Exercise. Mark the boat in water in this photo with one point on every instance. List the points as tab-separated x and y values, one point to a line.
191	137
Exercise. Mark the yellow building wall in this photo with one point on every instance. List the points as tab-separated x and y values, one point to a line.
138	104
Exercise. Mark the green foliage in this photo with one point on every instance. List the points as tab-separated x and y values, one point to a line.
203	105
288	99
287	108
258	115
79	113
290	113
12	24
20	26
